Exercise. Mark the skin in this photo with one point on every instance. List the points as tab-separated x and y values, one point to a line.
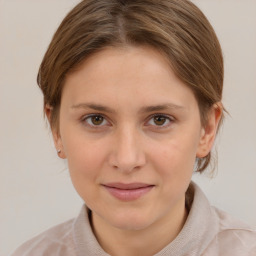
124	87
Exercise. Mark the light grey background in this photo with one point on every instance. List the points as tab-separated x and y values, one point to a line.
35	189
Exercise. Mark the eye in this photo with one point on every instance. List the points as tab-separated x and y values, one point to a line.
95	120
160	120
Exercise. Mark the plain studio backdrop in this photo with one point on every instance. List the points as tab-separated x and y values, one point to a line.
35	189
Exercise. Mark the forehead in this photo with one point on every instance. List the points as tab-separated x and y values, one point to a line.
127	59
140	75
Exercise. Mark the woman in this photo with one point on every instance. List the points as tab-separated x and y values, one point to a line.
132	91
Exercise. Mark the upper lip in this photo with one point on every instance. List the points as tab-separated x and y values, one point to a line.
127	186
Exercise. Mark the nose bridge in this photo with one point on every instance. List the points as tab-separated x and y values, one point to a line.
128	153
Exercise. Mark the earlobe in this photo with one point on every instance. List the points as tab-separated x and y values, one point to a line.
58	143
55	133
209	130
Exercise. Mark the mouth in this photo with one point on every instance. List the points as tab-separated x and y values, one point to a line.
128	192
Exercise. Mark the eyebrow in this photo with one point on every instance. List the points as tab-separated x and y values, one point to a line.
162	107
93	106
145	109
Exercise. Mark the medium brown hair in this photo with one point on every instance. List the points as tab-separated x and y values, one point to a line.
176	28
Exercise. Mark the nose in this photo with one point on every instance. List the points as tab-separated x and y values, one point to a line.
127	152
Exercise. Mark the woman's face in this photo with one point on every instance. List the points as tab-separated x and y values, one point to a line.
131	131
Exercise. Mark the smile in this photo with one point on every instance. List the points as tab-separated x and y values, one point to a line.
128	192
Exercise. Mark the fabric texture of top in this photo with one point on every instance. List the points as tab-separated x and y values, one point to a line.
208	231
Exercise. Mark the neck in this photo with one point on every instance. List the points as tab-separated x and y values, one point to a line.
147	241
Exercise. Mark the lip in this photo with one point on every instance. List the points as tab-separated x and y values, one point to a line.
128	192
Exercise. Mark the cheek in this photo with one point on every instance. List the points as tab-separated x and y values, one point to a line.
85	161
173	165
175	160
85	168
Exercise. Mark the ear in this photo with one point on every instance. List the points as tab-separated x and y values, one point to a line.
209	130
55	133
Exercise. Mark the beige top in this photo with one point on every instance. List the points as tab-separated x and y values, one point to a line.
208	231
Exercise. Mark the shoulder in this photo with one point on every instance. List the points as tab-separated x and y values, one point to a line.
233	238
57	241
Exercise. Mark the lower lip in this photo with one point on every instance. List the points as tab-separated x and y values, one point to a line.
128	194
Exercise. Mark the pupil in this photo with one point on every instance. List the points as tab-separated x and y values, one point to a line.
97	120
159	120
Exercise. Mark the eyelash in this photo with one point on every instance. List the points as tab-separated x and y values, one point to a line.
167	118
89	117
